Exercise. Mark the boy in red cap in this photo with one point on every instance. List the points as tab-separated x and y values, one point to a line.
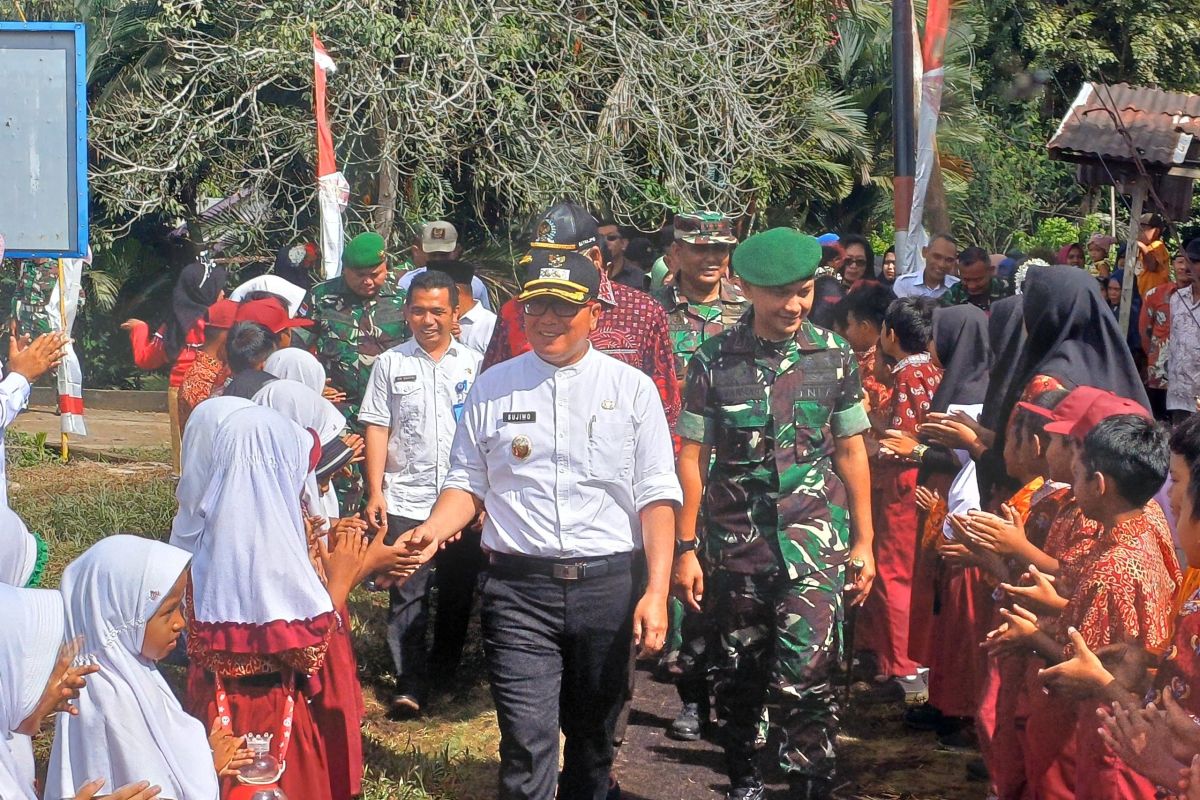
1122	589
208	370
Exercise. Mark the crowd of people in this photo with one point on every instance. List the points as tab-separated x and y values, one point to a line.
791	476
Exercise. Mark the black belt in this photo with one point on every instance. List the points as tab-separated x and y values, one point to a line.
563	569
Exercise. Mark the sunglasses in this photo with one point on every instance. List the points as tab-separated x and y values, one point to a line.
561	308
859	262
612	237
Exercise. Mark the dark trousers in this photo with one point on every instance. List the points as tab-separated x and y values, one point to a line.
457	573
558	656
408	620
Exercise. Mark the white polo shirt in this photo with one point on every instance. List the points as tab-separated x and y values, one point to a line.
913	285
419	401
475	328
564	459
14	397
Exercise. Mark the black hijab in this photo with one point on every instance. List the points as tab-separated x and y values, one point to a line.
960	339
1006	336
197	289
1071	335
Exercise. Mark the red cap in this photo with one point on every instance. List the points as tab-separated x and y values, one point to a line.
1069	409
222	314
269	313
1085	407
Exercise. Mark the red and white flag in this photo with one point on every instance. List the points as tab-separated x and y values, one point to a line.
933	76
62	318
333	192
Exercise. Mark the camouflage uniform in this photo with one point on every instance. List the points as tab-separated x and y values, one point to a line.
35	283
349	331
689	325
776	530
998	289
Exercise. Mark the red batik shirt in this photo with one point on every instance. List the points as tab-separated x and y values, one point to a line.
878	395
1180	665
632	328
915	381
1125	591
198	382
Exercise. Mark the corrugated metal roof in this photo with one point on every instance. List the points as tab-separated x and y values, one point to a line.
1162	125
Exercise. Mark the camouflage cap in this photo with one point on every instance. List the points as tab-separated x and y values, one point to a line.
364	251
704	227
777	257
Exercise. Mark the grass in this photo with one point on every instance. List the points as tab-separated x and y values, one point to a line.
451	753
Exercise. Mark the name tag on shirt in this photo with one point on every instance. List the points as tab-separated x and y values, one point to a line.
520	416
405	378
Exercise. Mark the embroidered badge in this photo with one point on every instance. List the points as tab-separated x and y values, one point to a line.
550	273
608	405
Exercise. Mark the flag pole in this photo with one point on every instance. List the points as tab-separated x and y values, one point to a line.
62	319
903	135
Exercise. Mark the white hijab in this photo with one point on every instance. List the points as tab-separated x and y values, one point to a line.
290	292
130	726
29	641
252	565
18	549
295	364
198	436
303	406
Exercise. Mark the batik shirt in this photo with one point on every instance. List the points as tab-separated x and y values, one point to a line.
691	324
349	332
1180	665
878	395
998	289
1125	592
632	329
770	411
1154	325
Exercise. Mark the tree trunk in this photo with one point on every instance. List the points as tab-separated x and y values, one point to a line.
384	215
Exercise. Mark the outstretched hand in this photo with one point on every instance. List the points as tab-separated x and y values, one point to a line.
134	791
34	360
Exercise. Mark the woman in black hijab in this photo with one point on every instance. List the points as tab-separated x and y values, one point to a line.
198	288
960	345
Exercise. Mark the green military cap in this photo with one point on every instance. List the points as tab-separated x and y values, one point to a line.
777	257
364	251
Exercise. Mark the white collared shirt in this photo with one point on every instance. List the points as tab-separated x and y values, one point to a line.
913	285
419	401
14	396
475	328
1183	351
564	459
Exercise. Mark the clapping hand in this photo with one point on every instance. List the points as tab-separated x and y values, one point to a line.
926	499
1019	626
1079	677
1037	588
1002	535
67	680
134	791
1141	737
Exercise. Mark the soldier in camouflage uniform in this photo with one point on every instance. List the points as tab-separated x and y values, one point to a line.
777	403
36	278
701	301
356	316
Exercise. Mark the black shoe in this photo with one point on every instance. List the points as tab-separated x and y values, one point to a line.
923	718
810	788
755	791
688	726
405	706
960	741
614	788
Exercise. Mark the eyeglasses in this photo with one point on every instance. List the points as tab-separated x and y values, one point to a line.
858	262
538	306
612	237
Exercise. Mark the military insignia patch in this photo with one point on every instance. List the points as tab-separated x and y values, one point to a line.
546	231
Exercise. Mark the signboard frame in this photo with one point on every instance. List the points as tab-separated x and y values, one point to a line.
74	109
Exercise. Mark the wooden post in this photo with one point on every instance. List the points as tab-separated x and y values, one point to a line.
1137	201
62	326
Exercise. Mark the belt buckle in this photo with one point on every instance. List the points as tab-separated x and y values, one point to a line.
568	572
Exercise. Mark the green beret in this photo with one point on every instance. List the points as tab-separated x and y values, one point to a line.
777	257
363	251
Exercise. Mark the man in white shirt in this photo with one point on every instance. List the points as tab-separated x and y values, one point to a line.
475	323
568	451
941	260
439	242
410	411
1183	344
25	365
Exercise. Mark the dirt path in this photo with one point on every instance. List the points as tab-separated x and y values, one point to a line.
879	757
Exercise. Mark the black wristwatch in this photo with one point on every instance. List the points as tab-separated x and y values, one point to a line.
685	546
